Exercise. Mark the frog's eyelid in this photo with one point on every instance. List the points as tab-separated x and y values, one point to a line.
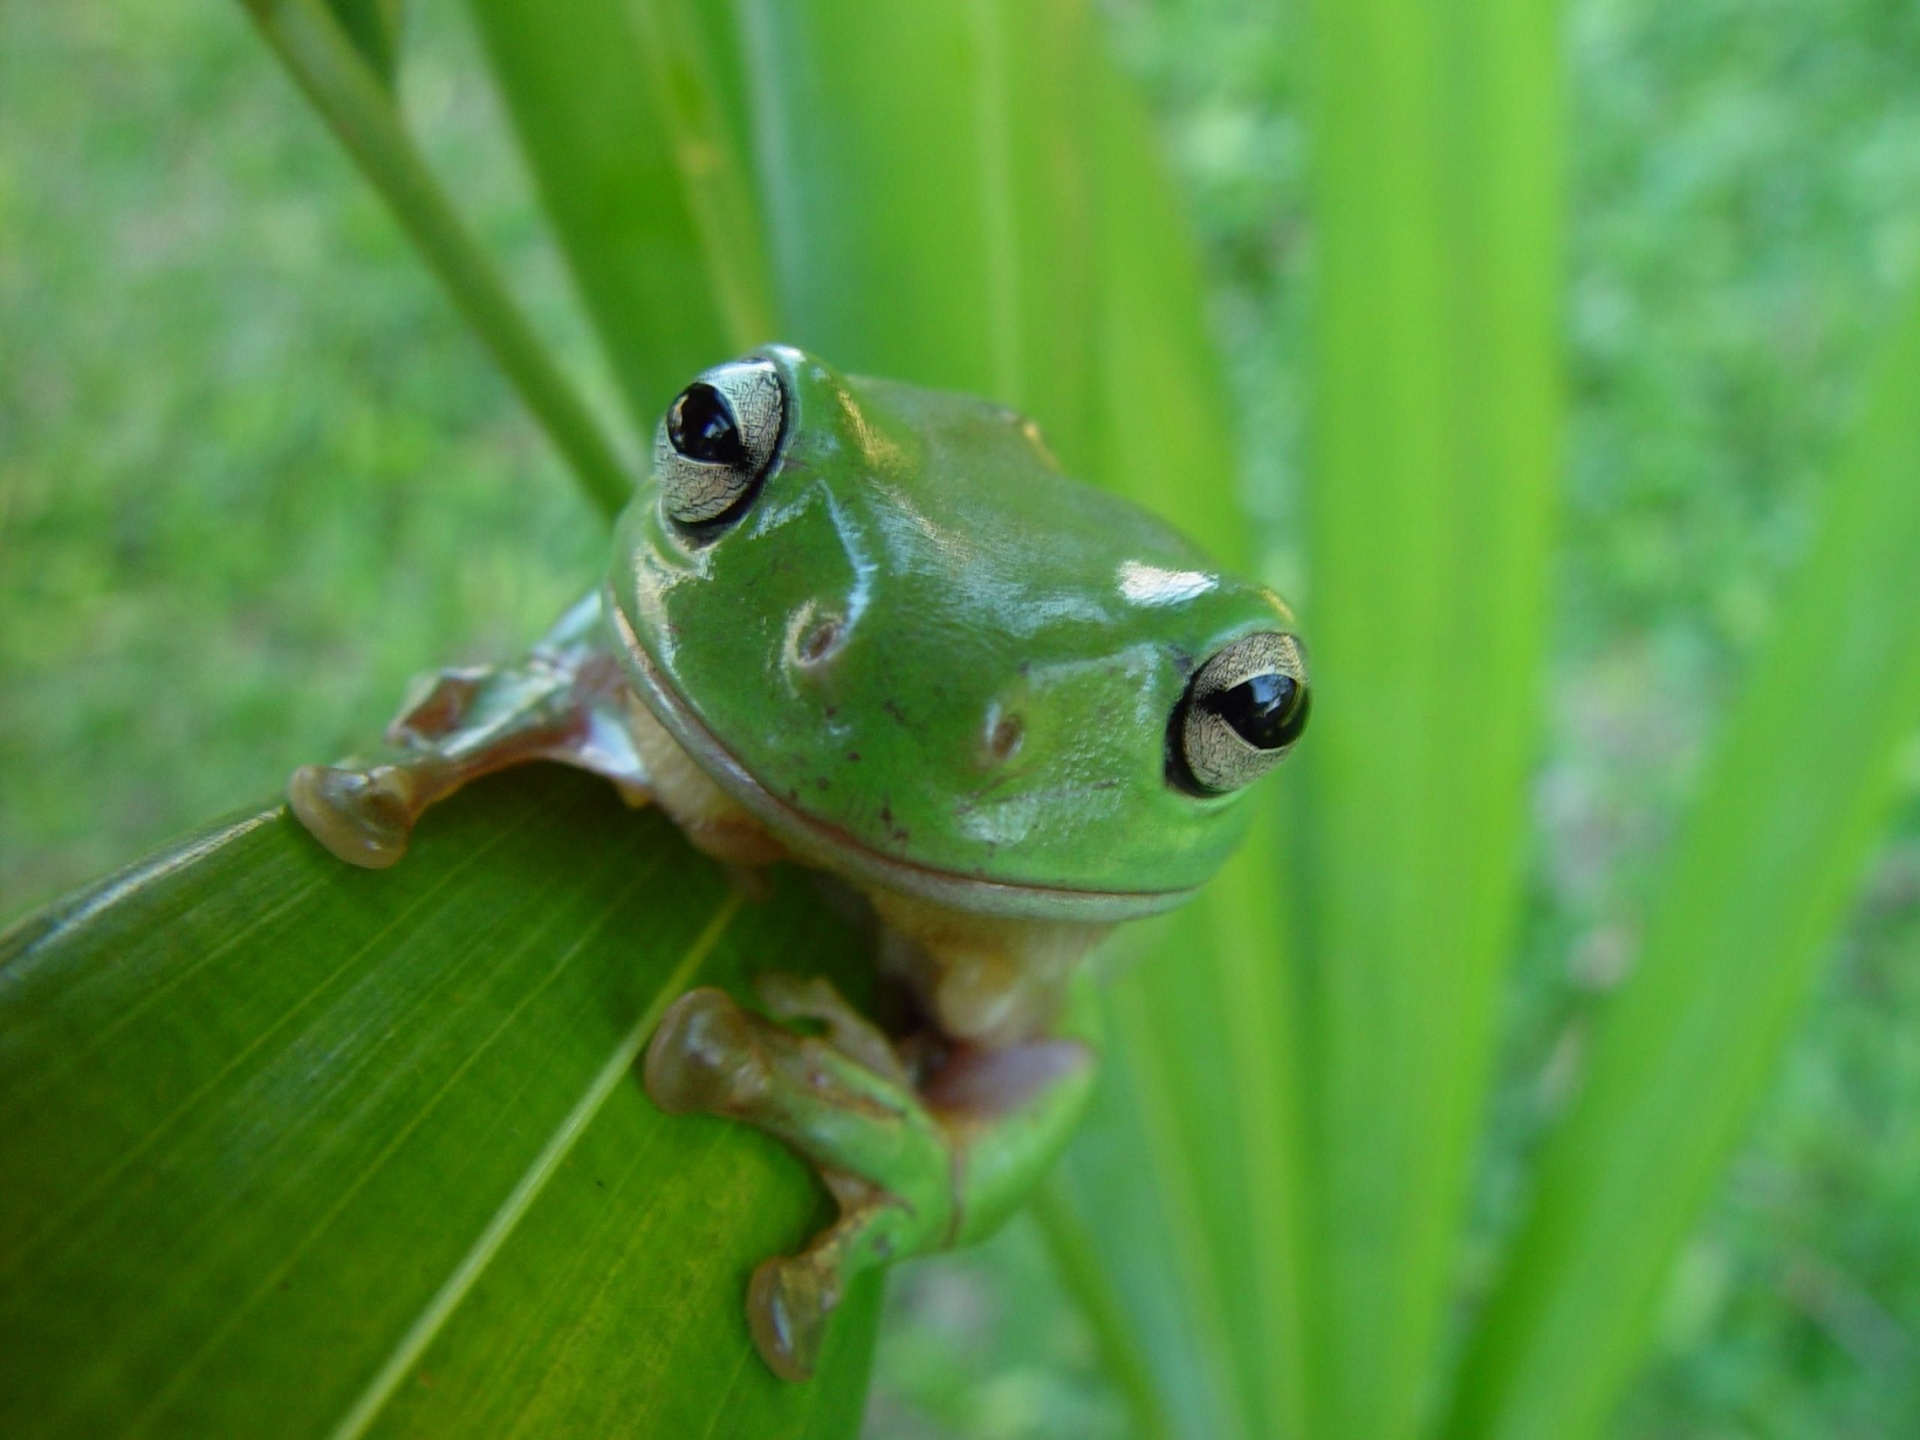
701	492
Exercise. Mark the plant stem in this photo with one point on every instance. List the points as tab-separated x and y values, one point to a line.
1092	1290
323	61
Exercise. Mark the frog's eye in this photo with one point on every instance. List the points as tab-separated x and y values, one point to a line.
1242	712
718	441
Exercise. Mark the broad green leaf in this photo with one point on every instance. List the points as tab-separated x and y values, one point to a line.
1435	133
293	1149
619	114
1765	867
374	28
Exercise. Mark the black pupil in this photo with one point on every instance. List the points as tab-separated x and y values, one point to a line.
1268	711
701	427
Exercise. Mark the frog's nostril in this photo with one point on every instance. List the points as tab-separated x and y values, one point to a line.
813	637
1004	734
819	641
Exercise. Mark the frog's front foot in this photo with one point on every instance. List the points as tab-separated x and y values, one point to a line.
362	816
843	1102
912	1174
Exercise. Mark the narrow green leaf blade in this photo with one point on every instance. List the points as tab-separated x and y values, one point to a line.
320	55
1764	870
926	196
1437	408
618	109
1201	1110
374	28
288	1148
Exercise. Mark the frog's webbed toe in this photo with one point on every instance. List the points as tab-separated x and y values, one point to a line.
787	1309
702	1058
791	1297
363	816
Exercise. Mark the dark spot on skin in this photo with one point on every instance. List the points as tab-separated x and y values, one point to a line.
823	782
831	711
894	710
886	816
853	756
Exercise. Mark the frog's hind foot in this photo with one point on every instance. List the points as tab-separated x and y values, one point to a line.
363	816
788	1303
842	1100
791	1297
916	1163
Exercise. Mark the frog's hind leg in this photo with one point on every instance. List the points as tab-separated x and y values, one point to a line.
913	1170
564	701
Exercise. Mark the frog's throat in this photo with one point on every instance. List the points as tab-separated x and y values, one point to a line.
831	848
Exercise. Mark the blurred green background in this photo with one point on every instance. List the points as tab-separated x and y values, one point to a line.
254	472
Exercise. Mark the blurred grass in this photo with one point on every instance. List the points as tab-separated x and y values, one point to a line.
220	358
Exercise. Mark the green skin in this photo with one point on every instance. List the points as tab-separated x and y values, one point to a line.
914	655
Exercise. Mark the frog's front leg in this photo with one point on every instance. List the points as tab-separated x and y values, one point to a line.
565	701
914	1168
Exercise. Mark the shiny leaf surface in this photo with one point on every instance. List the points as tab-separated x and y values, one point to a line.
288	1148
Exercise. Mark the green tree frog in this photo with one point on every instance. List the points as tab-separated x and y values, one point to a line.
874	629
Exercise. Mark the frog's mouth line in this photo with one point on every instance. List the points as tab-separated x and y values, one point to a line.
831	847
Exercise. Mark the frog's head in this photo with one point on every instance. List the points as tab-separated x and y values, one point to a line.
890	628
